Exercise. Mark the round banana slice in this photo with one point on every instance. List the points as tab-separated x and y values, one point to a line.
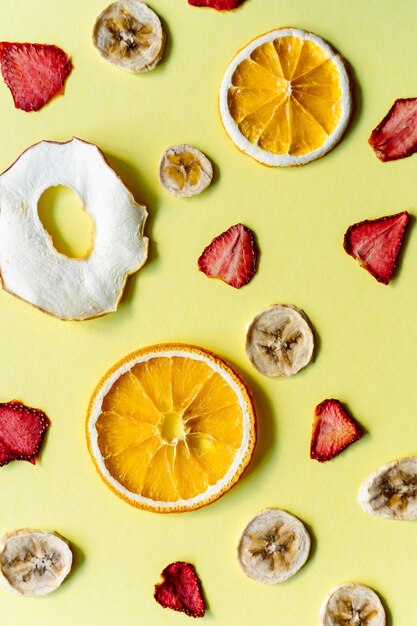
184	171
33	562
352	605
391	491
279	340
130	35
273	546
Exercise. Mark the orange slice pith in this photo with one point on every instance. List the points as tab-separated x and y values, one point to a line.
286	98
171	428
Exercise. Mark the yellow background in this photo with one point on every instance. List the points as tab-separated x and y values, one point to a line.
367	332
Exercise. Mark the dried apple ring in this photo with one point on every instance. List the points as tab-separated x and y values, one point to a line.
30	266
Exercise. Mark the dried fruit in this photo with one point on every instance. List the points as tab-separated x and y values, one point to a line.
33	562
396	136
33	72
185	171
231	256
391	491
333	431
376	244
273	546
30	266
286	98
352	605
171	428
130	35
220	5
180	590
22	430
279	340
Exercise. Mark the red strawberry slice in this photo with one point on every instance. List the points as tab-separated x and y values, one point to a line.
220	5
231	256
376	244
396	136
22	430
180	590
333	431
33	72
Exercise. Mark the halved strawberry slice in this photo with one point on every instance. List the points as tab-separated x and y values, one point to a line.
376	244
231	256
22	430
180	590
333	431
33	72
396	136
220	5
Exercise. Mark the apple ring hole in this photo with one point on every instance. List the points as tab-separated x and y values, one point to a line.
67	222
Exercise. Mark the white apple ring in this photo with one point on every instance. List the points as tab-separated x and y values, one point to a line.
31	268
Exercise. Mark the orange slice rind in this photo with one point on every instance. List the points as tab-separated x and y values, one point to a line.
286	98
171	428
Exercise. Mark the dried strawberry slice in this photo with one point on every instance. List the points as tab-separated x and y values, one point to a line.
231	256
333	431
180	590
33	72
220	5
22	430
396	136
376	244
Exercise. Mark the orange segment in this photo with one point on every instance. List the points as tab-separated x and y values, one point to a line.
266	55
189	377
170	427
225	425
276	137
154	376
311	56
191	478
253	76
213	456
243	102
307	133
289	51
160	482
254	125
128	398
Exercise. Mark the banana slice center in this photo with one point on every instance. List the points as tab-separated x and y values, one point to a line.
128	34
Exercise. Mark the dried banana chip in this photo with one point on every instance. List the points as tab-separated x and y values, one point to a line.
184	171
273	546
352	605
391	491
130	35
279	341
33	562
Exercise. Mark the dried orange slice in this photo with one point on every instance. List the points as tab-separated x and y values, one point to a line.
286	98
171	428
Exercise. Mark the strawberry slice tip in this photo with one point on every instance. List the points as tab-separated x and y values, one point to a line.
220	5
395	137
377	244
33	72
333	431
180	590
22	430
231	256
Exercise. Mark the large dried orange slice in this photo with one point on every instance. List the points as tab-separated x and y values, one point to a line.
286	98
171	428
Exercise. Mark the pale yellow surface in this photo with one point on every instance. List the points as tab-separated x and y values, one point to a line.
366	357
